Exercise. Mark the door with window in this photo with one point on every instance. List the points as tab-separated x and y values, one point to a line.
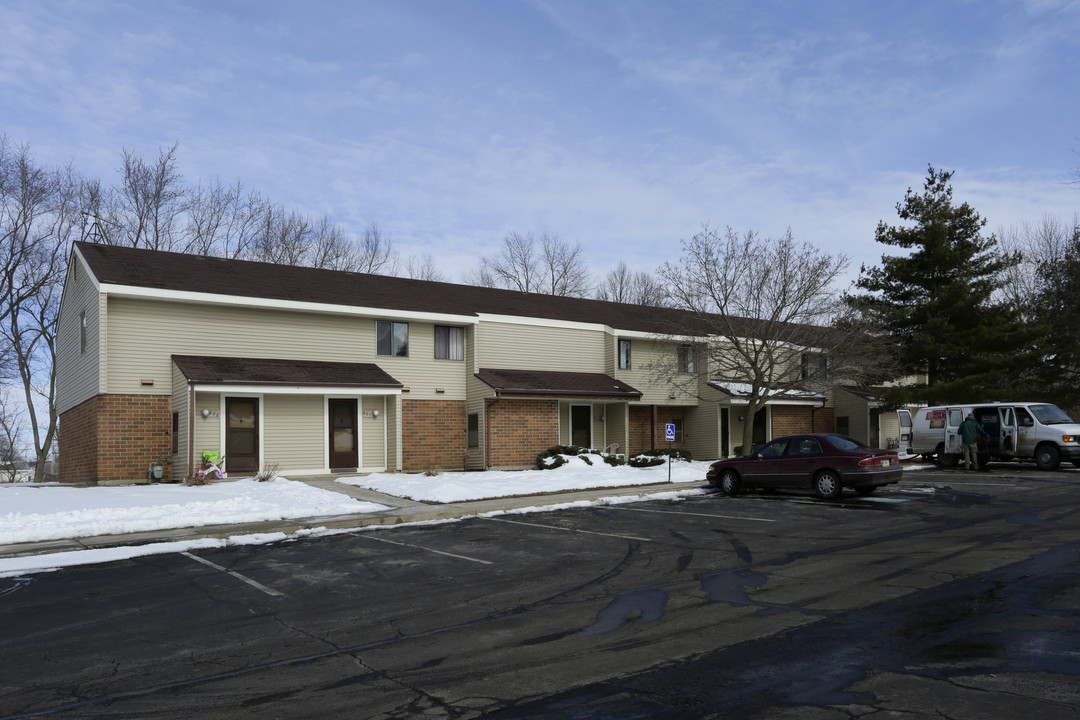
581	425
344	435
242	435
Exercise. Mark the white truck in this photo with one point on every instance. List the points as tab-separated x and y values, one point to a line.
1040	431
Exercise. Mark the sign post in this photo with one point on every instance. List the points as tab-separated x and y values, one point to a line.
669	435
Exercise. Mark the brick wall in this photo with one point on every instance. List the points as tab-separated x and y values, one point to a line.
114	438
791	419
643	433
517	430
433	435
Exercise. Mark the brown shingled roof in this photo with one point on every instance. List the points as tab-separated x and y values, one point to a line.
261	371
137	267
548	383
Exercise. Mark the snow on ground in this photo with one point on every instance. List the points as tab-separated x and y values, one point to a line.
576	474
30	513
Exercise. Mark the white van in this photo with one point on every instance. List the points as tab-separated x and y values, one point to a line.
1017	430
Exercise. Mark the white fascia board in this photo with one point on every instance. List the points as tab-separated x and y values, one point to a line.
129	291
540	322
255	389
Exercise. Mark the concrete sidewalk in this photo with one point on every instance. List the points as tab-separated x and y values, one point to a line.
399	511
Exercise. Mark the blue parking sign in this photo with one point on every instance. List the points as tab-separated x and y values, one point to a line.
669	432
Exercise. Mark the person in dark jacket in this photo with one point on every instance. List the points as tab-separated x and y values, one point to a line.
970	431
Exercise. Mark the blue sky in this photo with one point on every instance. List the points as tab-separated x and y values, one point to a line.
623	125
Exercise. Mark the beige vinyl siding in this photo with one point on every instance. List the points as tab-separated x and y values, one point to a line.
616	426
533	347
373	432
421	372
78	373
857	412
207	429
702	431
294	432
144	334
476	392
181	399
611	354
644	354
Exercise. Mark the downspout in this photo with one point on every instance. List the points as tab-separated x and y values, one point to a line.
191	431
652	430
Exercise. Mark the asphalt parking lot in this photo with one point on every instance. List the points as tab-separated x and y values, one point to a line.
952	595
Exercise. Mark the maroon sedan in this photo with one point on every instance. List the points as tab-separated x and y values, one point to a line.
824	463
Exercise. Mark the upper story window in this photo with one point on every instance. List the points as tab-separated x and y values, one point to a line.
686	358
804	366
449	343
624	354
82	332
392	338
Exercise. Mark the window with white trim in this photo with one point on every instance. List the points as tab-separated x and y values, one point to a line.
624	354
449	343
392	338
686	358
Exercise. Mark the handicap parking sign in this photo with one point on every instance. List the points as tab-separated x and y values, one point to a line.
669	432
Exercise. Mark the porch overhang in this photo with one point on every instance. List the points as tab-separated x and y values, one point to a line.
550	384
740	394
287	377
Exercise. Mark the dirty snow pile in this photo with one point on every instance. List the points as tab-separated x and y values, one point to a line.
31	513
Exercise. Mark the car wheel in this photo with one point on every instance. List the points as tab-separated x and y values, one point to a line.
866	489
1047	457
827	485
730	483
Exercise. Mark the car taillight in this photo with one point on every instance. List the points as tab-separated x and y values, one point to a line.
871	461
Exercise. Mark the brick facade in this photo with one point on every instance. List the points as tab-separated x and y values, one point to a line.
792	419
113	438
518	430
645	435
433	435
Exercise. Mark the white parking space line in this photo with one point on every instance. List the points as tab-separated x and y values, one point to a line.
573	530
711	515
238	576
367	536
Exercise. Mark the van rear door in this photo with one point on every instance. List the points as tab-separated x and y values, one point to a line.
1007	443
953	444
904	416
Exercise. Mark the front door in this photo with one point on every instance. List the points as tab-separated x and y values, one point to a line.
580	421
242	435
344	443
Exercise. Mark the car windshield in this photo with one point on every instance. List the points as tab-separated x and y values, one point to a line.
1050	414
843	442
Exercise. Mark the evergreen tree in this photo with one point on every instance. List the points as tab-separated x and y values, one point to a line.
937	303
1056	308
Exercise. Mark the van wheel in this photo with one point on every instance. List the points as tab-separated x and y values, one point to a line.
827	485
946	460
1047	457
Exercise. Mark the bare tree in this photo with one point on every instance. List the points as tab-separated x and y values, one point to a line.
11	442
423	267
480	276
376	253
548	266
152	200
564	270
768	315
221	221
39	212
1036	244
635	288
